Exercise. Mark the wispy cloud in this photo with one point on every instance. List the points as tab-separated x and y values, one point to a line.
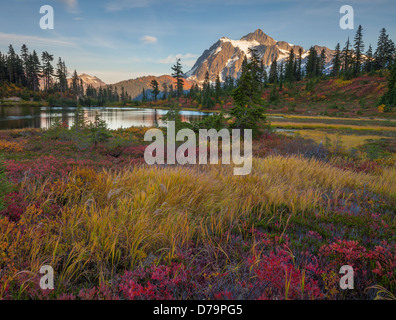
7	38
172	58
117	5
187	59
148	39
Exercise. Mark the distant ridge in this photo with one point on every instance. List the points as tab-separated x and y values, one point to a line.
93	81
134	87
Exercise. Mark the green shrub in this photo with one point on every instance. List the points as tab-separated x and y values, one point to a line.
56	130
98	130
215	121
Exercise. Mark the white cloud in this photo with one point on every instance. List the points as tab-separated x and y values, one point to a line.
7	38
149	39
172	58
187	59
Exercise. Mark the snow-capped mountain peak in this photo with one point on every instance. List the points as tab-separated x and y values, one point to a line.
224	58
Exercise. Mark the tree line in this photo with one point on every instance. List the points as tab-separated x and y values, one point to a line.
36	73
349	62
27	68
207	95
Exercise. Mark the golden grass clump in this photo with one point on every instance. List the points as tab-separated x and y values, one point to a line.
113	220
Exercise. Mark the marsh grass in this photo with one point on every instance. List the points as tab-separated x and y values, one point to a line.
349	141
112	221
300	125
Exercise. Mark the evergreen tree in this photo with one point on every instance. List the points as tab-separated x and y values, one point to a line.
81	87
25	62
218	88
299	70
273	74
358	47
256	67
369	61
61	75
178	75
389	98
206	83
47	69
98	130
11	64
289	69
336	61
144	95
321	62
385	51
124	96
346	58
154	86
34	71
75	84
80	123
164	90
228	85
311	68
207	92
248	107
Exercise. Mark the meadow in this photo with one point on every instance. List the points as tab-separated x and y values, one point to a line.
114	228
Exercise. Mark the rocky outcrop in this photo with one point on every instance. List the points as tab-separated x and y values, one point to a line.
225	57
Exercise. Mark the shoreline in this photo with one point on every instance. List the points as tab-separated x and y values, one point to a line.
45	104
276	114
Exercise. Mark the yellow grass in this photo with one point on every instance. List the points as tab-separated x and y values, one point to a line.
299	125
292	116
348	141
114	220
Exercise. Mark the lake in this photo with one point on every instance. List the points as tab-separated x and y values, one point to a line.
19	117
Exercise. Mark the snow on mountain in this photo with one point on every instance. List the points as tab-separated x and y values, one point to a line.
224	58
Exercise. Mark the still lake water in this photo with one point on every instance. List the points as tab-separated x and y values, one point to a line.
19	117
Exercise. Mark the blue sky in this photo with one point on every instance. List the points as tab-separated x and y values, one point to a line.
123	39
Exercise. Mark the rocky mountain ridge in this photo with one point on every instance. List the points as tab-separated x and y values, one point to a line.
225	57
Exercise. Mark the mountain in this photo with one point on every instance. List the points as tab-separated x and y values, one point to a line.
89	80
134	87
225	57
